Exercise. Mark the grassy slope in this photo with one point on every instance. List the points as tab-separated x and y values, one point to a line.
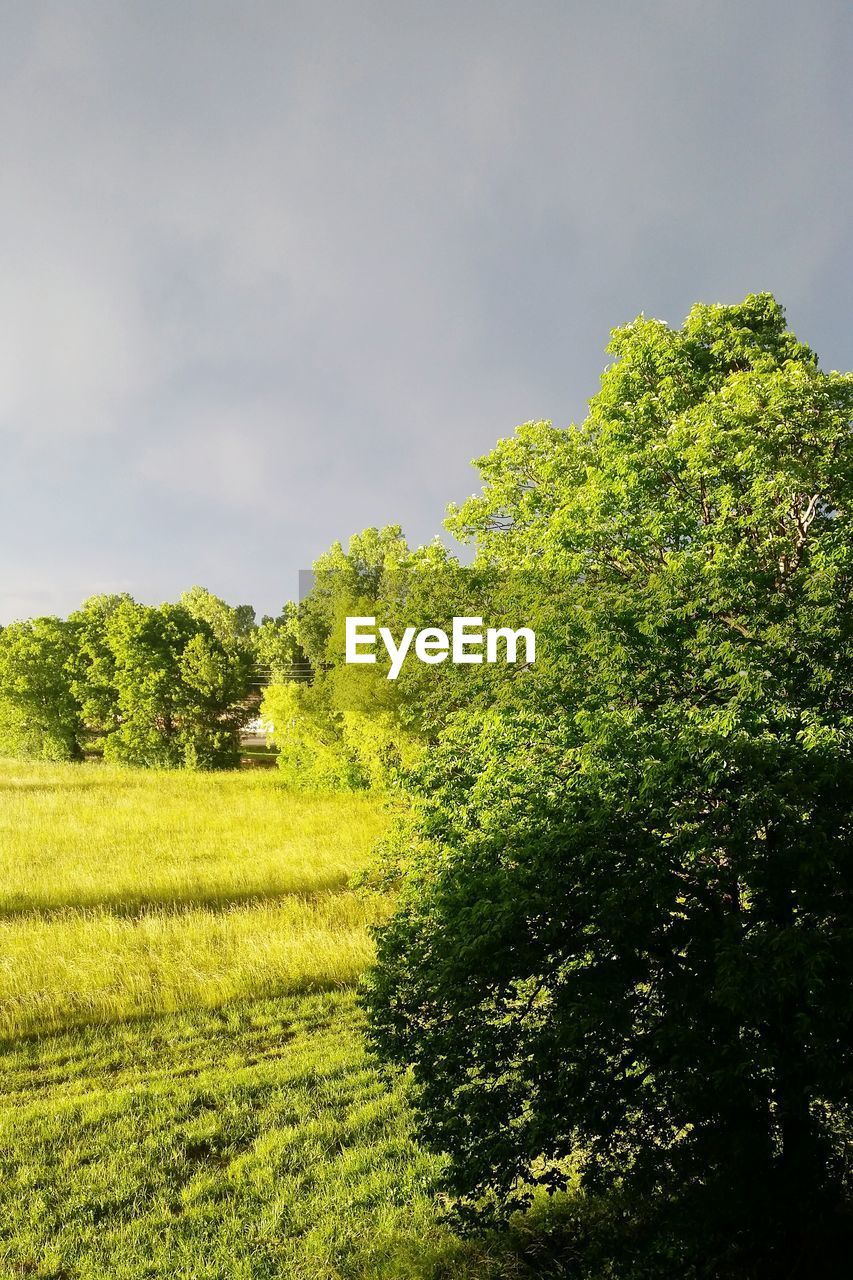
256	1141
250	1140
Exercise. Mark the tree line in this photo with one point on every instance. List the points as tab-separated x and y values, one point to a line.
164	686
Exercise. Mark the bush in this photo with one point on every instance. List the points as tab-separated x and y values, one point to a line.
623	942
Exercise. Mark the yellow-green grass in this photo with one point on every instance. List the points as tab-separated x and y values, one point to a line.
92	966
127	892
185	1092
96	835
254	1142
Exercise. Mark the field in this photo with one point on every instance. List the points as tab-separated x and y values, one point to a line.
184	1087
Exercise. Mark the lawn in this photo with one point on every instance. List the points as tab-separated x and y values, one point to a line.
73	836
184	1086
247	1142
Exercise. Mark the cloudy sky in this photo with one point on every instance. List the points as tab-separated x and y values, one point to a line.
271	272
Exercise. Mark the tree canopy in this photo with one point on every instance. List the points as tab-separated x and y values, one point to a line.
39	715
159	686
622	949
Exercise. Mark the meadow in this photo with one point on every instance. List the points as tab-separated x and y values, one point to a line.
185	1090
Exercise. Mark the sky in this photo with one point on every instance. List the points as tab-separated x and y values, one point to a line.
272	272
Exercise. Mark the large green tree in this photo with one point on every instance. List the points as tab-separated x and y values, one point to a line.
40	715
623	947
180	693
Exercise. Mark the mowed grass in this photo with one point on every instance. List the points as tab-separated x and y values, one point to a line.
255	1142
185	1092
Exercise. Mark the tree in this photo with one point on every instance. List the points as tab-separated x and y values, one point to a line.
233	625
93	664
277	647
623	946
39	714
347	726
180	693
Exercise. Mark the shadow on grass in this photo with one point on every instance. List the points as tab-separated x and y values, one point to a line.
87	782
135	906
73	1022
215	1034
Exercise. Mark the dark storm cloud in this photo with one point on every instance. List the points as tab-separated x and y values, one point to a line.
271	272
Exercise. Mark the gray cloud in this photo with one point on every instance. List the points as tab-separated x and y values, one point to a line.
270	272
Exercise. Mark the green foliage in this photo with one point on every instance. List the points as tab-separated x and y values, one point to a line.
39	713
349	727
93	664
163	686
277	647
233	625
310	733
178	689
623	940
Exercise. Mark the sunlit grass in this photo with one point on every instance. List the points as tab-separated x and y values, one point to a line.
87	835
127	892
185	1092
253	1142
93	966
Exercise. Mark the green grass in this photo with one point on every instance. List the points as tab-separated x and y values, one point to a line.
92	966
256	1141
74	836
184	1087
128	892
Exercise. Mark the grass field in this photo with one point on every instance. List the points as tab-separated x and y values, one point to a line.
184	1088
124	892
